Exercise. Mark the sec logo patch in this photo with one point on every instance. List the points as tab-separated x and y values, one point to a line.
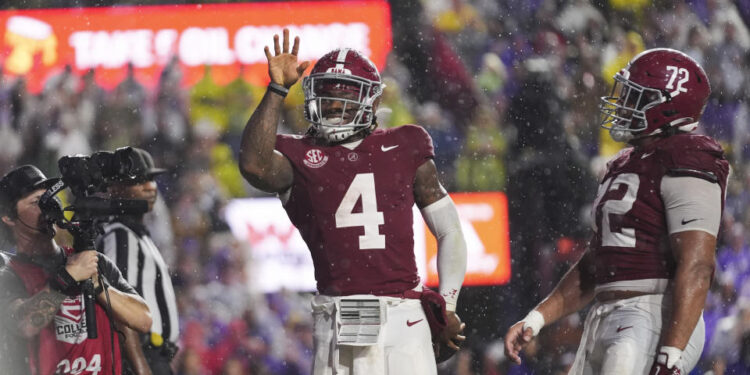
315	158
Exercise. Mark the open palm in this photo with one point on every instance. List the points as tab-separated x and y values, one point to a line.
282	65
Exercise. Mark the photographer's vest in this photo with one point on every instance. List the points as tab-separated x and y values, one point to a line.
62	347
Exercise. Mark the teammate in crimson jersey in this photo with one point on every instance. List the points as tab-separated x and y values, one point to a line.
657	213
349	189
41	301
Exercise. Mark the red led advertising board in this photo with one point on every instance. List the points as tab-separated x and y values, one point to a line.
484	222
228	37
280	259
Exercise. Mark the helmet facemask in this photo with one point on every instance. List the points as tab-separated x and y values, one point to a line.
624	110
340	105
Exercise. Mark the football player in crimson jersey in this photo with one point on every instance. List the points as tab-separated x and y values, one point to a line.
349	189
657	213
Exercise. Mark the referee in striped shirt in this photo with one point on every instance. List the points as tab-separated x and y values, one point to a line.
128	242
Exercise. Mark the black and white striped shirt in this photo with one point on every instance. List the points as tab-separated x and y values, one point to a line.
144	268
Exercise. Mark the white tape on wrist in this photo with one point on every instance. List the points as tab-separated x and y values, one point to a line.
668	356
534	320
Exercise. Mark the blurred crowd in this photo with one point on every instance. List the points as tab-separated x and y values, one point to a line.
509	92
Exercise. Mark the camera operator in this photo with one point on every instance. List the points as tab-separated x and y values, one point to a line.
128	242
41	299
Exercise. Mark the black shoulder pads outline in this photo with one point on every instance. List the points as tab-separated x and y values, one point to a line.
687	172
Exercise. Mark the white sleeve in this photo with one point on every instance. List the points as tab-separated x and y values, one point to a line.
691	203
442	219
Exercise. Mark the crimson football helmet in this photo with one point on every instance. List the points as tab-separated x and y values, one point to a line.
659	89
349	79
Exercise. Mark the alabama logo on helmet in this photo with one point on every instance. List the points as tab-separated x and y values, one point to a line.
315	158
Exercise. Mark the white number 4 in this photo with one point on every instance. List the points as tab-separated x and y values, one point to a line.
370	218
682	72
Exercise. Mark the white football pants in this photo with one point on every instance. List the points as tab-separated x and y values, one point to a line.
621	337
401	349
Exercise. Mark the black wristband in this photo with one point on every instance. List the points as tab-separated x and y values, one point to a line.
278	89
62	282
99	289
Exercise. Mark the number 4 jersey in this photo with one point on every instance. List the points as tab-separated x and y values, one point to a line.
631	243
353	208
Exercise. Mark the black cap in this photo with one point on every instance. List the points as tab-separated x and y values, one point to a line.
21	181
136	165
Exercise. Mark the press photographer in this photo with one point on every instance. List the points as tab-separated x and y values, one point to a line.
42	299
129	243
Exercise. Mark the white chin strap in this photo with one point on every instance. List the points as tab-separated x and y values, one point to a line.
333	131
336	121
620	135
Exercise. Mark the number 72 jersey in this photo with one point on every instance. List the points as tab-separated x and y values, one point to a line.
631	240
353	208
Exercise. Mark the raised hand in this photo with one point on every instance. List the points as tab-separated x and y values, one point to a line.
282	65
516	339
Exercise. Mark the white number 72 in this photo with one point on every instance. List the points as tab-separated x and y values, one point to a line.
677	72
623	237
